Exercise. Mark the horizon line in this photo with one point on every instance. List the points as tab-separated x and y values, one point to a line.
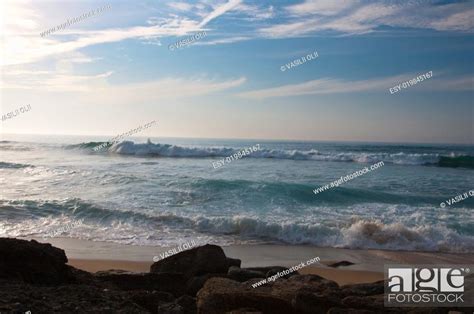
247	139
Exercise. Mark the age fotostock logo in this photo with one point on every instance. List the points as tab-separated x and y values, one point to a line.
428	285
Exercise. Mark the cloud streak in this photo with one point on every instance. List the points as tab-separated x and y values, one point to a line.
358	17
339	86
23	45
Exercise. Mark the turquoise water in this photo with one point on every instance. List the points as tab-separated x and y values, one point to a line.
166	191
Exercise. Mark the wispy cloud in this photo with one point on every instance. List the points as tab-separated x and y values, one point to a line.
219	10
228	40
320	7
180	6
168	89
462	21
22	43
338	86
63	80
358	17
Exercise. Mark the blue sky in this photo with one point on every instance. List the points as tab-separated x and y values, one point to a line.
112	72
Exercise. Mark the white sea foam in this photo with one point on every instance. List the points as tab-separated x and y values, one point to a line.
166	150
165	230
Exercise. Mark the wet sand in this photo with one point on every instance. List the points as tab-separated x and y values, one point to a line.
368	264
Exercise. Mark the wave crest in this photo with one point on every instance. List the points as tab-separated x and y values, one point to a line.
175	151
165	228
12	165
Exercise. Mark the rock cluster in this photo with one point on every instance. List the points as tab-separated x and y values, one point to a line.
35	277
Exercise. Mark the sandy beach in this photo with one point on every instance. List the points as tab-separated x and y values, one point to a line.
368	265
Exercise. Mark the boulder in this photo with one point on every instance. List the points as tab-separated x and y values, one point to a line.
311	303
221	295
245	310
196	283
233	262
363	289
341	263
298	294
183	305
279	269
242	274
174	283
207	259
272	270
33	262
70	298
288	288
370	302
150	300
338	310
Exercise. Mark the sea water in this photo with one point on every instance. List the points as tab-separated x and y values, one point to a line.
164	191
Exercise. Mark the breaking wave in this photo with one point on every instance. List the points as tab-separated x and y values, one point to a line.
12	165
37	218
174	151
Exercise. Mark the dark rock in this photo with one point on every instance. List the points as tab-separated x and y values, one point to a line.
196	283
439	311
363	289
114	272
293	295
197	261
338	310
341	263
33	262
273	270
279	269
35	277
174	283
170	308
233	262
370	302
182	305
220	295
71	298
245	310
188	303
151	300
288	288
242	274
311	303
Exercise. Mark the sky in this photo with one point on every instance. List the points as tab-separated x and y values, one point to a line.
114	71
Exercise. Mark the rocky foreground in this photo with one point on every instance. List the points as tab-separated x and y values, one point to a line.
35	277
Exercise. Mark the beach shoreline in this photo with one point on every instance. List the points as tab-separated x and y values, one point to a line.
67	274
368	265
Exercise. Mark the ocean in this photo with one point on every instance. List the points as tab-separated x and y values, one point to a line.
165	191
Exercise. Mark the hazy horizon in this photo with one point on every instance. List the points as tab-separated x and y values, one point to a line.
233	139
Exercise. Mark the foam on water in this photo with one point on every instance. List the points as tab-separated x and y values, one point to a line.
128	227
161	194
167	150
